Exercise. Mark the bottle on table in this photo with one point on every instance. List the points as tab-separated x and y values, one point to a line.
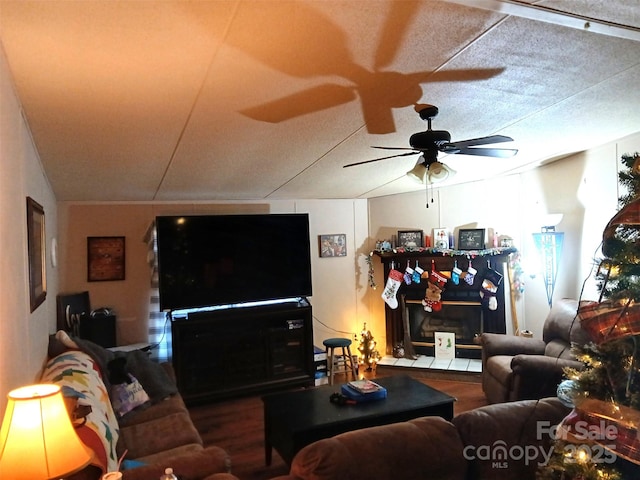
168	474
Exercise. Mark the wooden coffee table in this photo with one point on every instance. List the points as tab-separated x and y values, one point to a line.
293	420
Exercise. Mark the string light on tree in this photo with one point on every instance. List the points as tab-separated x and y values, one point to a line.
369	355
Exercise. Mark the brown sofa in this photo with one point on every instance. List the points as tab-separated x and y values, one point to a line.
520	368
503	441
156	435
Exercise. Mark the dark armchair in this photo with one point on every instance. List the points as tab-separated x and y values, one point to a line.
519	368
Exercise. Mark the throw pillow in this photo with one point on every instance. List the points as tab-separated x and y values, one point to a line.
128	396
127	393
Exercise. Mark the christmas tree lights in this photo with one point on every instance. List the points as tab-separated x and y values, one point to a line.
369	356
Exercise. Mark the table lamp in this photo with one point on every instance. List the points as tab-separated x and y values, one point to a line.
37	439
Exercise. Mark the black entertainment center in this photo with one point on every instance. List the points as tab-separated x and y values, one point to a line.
235	287
234	351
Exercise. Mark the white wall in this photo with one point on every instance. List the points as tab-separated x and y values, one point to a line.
23	335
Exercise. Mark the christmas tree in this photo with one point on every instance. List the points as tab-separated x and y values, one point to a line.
369	355
600	438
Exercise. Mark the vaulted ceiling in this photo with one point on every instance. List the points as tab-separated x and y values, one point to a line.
242	99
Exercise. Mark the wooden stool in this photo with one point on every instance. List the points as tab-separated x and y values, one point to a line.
343	365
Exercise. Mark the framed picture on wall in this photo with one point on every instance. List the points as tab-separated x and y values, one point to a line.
332	245
36	240
105	259
471	239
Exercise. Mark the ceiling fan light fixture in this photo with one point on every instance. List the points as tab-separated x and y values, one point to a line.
439	172
419	172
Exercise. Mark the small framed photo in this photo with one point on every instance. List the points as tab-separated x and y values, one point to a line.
410	239
441	238
332	245
471	239
105	259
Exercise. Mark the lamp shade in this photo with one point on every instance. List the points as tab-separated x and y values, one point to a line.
418	172
439	172
37	439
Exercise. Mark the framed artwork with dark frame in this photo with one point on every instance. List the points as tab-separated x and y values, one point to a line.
410	238
333	245
471	239
105	259
36	241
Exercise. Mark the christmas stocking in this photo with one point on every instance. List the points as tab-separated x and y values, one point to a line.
417	273
391	288
488	294
470	274
493	276
432	300
490	283
408	274
455	273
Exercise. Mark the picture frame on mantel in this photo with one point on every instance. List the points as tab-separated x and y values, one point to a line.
471	239
105	259
410	239
441	238
36	241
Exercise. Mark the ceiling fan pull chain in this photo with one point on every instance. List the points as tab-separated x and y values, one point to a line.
428	184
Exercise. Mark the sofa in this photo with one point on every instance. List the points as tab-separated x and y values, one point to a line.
156	432
521	368
502	441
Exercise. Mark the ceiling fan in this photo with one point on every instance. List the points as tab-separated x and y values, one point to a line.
431	142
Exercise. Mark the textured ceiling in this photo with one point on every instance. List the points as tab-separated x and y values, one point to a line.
210	100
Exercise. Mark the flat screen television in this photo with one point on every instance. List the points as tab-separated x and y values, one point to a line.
213	260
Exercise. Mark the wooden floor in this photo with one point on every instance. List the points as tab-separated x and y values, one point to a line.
237	425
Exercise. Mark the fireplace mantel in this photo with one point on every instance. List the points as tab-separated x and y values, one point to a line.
444	261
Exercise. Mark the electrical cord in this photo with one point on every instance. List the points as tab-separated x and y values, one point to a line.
164	332
331	328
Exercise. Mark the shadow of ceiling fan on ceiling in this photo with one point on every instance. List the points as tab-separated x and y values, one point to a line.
303	43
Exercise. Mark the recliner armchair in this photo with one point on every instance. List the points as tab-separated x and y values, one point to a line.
520	368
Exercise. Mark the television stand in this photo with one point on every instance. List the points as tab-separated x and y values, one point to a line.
240	350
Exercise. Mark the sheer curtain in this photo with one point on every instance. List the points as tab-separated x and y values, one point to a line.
159	330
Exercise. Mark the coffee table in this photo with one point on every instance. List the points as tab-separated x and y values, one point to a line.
293	420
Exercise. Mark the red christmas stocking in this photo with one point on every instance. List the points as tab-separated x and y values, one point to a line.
436	283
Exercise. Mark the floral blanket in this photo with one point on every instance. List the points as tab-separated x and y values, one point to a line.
79	377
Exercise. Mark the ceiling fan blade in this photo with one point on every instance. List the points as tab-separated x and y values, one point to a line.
396	148
488	152
381	158
481	141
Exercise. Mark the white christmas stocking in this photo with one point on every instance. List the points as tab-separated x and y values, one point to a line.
391	288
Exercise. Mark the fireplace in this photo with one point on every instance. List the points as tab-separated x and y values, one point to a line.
463	311
464	319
